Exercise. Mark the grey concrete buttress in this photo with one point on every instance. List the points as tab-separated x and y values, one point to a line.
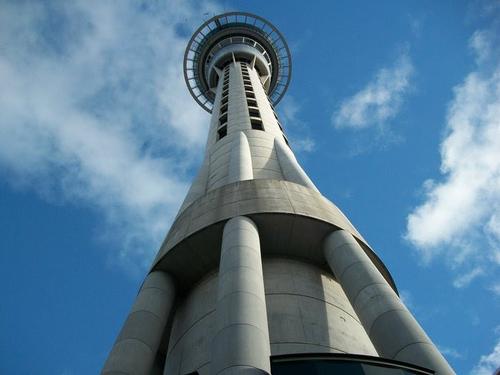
393	330
241	342
135	348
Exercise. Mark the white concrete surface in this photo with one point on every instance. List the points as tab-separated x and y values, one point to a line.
392	329
241	336
135	348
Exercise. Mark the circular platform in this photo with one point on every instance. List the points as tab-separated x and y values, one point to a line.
235	27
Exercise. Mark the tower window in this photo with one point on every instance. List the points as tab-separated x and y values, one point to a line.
223	108
221	132
250	95
249	88
252	102
224	100
253	112
223	119
256	124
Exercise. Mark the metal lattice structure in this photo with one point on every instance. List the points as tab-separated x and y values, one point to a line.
243	28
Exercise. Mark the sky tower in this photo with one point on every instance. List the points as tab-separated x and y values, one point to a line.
259	272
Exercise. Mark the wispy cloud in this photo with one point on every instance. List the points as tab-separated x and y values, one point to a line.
450	352
467	278
380	100
296	128
93	110
458	218
495	288
488	363
406	298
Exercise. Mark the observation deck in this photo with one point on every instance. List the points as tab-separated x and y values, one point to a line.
236	36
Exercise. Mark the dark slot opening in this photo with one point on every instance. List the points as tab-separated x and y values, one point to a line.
256	124
222	132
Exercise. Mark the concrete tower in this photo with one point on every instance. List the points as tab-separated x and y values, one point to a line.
259	272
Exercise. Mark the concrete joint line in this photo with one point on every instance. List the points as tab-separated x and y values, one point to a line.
233	268
413	343
306	343
357	295
225	368
241	292
159	318
228	233
134	340
225	249
353	264
343	244
378	317
266	334
248	222
189	329
317	299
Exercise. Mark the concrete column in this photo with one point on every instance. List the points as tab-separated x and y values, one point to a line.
135	348
241	342
240	164
392	329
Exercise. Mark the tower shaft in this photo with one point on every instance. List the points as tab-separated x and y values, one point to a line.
259	272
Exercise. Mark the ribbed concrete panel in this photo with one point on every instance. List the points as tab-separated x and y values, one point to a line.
392	329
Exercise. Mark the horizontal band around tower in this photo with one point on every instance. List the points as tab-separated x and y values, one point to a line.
292	220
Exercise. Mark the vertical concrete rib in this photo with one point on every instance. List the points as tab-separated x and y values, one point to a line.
241	342
135	348
292	171
240	164
393	330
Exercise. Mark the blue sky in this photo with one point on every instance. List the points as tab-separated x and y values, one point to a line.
393	110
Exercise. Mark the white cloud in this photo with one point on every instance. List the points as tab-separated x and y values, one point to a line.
450	352
495	288
380	100
467	278
488	363
93	110
459	216
407	298
480	42
496	330
295	128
